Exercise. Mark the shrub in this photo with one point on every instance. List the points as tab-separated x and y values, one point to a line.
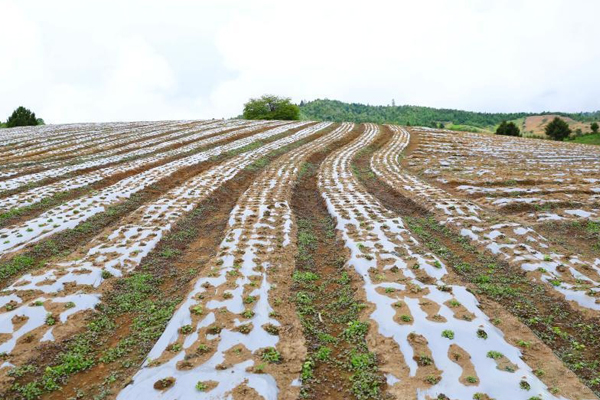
558	129
594	127
21	117
508	129
271	107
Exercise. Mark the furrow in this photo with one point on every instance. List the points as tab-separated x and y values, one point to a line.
139	133
231	333
30	136
24	199
62	291
113	156
326	297
432	337
143	138
576	278
537	180
79	143
74	212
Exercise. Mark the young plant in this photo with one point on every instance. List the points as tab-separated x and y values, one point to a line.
448	334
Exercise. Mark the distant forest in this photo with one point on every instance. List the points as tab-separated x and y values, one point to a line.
334	110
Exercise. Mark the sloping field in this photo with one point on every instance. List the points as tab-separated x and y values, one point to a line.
286	260
536	124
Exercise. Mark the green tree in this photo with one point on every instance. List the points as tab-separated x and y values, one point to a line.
508	129
21	117
594	127
558	129
271	107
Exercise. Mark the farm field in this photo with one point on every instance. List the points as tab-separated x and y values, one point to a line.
296	260
535	124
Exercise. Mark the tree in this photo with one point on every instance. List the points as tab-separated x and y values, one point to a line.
594	127
21	117
271	107
558	129
508	129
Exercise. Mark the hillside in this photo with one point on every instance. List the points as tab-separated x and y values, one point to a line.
243	259
334	110
536	124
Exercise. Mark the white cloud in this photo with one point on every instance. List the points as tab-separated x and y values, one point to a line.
21	63
150	59
136	84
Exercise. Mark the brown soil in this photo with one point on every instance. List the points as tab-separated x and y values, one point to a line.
576	236
426	368
175	274
330	380
85	150
516	317
536	124
40	208
175	280
463	359
67	241
542	299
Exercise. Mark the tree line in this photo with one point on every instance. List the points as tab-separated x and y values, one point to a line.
338	111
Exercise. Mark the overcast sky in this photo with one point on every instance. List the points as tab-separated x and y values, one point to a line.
78	61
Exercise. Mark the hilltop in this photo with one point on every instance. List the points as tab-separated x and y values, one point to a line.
533	123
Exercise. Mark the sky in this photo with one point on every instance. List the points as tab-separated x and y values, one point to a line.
126	60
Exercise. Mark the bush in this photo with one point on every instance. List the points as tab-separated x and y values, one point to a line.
21	117
594	127
271	107
508	129
558	129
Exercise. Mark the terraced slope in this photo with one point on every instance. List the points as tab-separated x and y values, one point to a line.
284	260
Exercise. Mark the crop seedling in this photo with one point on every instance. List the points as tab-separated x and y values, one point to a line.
494	354
271	355
448	334
333	236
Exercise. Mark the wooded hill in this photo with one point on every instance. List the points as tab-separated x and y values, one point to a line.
334	110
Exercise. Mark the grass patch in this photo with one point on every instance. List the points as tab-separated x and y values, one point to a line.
592	138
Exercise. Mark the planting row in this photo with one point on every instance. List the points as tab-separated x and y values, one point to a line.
37	194
538	180
74	212
145	140
433	339
46	305
79	143
232	331
574	276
